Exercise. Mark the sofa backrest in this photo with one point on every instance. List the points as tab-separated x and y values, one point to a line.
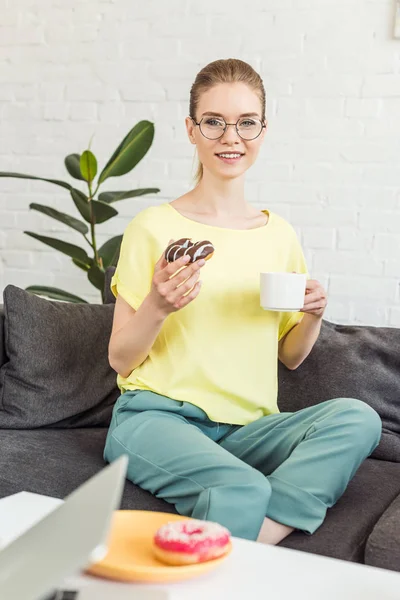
2	343
351	361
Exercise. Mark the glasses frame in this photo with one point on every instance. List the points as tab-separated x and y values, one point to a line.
263	126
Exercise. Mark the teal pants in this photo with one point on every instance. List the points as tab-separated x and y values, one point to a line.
290	467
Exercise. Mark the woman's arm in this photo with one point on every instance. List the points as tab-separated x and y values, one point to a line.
297	344
133	334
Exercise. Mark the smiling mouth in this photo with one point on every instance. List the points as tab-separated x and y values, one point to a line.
230	155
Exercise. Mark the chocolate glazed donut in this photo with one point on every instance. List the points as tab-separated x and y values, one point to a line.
196	251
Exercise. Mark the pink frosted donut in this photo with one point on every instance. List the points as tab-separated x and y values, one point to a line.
191	541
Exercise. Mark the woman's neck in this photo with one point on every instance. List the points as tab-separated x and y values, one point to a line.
220	197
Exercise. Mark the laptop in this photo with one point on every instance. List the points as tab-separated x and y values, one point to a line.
64	542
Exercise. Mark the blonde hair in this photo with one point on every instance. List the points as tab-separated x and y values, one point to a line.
227	70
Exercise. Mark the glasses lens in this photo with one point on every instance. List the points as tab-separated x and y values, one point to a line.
249	128
212	128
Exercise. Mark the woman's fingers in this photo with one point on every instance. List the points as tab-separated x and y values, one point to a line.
184	288
170	268
189	297
162	261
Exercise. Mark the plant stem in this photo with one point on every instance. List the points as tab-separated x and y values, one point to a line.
92	231
88	241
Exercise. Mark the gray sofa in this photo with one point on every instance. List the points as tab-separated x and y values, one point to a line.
57	392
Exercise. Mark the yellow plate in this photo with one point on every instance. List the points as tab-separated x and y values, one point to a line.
130	555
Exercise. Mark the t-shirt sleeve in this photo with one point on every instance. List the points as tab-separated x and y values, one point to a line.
296	262
134	273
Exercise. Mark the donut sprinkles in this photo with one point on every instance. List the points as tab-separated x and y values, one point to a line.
184	246
191	541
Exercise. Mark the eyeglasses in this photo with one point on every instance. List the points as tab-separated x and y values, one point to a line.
214	128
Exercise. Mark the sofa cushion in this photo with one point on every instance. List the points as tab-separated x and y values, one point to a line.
108	296
383	546
57	373
55	462
347	525
354	362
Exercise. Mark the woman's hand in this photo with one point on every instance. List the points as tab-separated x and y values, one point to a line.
171	281
315	299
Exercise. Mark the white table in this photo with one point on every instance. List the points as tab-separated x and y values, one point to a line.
251	571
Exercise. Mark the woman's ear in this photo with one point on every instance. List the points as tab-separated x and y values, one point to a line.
264	131
190	127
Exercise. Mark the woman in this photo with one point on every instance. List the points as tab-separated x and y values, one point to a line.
197	359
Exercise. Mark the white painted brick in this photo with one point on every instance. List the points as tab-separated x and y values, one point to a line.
382	175
21	36
134	92
329	164
147	48
363	289
386	245
85	91
319	216
327	173
378	86
50	92
394	317
17	259
24	277
370	152
339	312
371	314
179	25
317	237
53	261
347	263
235	21
22	112
326	86
392	266
358	196
383	128
349	238
362	107
7	219
83	111
379	220
389	107
55	111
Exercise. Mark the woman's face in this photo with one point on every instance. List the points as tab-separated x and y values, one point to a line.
231	101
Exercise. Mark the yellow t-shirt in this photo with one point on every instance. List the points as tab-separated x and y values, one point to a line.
220	352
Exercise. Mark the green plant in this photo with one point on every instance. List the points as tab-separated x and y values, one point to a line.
94	211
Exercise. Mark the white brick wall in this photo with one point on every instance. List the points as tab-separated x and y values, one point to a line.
330	163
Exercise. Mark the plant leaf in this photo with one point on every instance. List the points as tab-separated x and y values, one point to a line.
109	250
84	266
82	203
110	197
55	293
102	211
88	165
96	277
62	217
72	164
130	151
64	247
21	176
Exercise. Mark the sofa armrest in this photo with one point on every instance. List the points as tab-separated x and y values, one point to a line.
383	545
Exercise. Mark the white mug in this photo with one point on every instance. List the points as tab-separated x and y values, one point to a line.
282	291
